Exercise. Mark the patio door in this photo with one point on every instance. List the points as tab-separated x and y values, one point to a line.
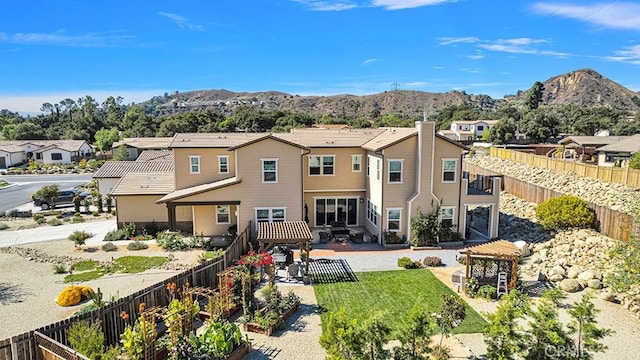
329	210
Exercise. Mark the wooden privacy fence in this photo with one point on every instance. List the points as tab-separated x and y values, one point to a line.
624	176
50	339
609	222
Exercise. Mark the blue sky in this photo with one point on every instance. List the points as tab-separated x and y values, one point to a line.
51	50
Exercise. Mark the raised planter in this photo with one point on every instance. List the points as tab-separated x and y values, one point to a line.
395	246
204	315
426	248
240	351
254	327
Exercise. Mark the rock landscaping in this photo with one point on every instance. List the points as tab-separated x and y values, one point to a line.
572	259
615	196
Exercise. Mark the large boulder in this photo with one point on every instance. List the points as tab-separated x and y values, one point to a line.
586	275
594	284
570	285
607	295
573	272
557	270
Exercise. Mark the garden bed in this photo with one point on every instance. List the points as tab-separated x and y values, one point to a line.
256	328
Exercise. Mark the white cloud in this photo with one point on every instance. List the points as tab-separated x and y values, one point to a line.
31	103
417	84
618	15
476	56
181	21
471	70
628	55
61	38
438	67
315	5
451	40
515	45
370	61
406	4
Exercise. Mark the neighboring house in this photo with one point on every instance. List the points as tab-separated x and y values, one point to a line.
63	152
618	153
11	155
585	146
156	155
376	179
135	146
108	175
468	130
44	151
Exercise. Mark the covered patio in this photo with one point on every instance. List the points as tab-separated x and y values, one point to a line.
285	232
484	262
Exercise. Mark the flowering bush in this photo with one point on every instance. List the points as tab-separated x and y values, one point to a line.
73	295
134	336
255	260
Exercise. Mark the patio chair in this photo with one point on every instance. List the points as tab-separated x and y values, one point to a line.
292	271
503	287
357	238
325	237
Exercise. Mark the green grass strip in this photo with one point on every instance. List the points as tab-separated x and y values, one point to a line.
394	292
83	276
138	264
85	265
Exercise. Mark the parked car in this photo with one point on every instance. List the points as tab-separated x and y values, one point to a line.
65	197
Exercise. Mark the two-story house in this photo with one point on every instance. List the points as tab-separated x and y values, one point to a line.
468	130
375	179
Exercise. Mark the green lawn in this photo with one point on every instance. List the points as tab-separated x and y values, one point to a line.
394	292
89	269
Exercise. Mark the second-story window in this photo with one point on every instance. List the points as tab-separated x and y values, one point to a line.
194	164
321	165
269	170
356	163
395	171
223	164
449	170
378	169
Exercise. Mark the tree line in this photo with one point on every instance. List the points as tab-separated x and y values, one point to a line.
100	123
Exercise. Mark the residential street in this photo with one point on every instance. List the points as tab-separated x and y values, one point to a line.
23	186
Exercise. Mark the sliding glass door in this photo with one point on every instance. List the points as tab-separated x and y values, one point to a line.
329	210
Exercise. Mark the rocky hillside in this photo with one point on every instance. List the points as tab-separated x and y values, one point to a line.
410	103
585	88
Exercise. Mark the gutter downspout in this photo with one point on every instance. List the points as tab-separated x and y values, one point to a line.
418	181
378	152
460	217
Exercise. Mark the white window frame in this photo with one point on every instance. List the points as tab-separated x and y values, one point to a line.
57	154
389	172
455	170
368	166
372	212
197	164
321	165
218	213
356	161
262	162
399	219
270	210
378	168
220	165
444	209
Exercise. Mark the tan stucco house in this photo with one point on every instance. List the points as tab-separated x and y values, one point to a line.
372	179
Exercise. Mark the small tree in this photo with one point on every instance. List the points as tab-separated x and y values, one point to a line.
87	204
342	337
450	315
547	335
99	203
76	203
415	339
87	338
377	333
48	192
626	254
425	229
121	153
79	237
109	202
503	335
634	161
584	326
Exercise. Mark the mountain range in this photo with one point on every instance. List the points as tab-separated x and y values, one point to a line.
584	88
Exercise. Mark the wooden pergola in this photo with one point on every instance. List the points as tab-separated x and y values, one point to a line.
485	261
286	232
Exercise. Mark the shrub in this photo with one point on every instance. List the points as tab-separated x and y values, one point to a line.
2	213
151	229
54	222
3	226
432	261
407	263
39	218
87	338
471	287
109	247
77	218
115	235
487	292
95	213
79	237
171	241
59	269
129	229
565	211
137	245
11	213
73	295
